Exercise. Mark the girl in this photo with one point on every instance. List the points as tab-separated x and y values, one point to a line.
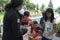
42	21
50	24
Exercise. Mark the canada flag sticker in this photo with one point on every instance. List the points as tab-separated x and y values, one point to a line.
18	20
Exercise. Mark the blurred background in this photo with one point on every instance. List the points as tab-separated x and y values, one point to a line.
35	7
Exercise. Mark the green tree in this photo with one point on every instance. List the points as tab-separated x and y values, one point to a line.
58	10
50	4
42	7
30	6
26	1
3	2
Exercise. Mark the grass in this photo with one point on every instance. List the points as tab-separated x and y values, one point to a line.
1	15
1	18
58	30
58	26
36	14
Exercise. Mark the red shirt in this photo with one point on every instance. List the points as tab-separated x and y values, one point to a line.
36	29
26	20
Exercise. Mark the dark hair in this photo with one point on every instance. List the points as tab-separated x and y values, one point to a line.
26	13
49	10
35	22
13	4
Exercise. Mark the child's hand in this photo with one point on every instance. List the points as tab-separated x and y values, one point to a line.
54	31
34	32
38	38
31	35
24	27
48	34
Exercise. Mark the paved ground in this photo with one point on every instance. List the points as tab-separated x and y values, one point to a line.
0	38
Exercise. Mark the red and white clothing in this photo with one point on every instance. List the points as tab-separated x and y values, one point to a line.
26	20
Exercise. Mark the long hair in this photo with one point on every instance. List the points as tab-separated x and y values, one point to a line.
49	10
13	4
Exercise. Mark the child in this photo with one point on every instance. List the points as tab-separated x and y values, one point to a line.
26	19
35	33
24	22
42	21
50	24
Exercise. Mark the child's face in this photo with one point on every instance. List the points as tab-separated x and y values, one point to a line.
32	24
49	14
35	25
26	17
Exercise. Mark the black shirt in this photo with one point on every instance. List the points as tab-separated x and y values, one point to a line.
11	25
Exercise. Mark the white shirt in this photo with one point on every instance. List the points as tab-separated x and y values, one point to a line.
49	28
26	36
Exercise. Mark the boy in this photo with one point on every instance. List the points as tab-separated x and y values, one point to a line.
26	19
35	32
